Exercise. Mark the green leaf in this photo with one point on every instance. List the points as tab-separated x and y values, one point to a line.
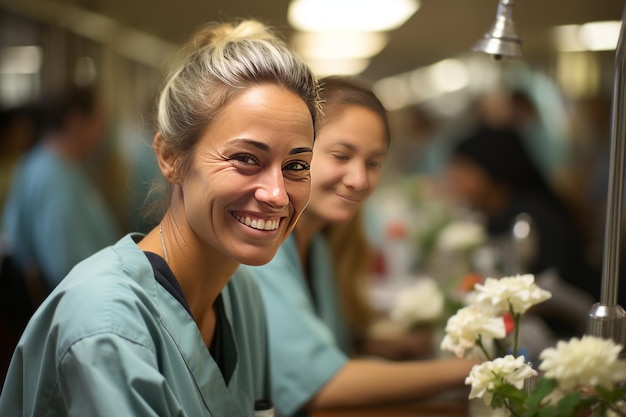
612	395
498	400
542	389
514	394
568	404
548	411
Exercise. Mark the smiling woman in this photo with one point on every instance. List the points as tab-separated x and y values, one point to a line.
154	325
325	257
251	163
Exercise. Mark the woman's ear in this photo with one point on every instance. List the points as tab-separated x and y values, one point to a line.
166	159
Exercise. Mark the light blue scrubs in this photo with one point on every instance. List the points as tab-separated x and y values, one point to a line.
54	218
308	342
111	341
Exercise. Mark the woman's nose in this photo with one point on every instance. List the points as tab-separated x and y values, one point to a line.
272	190
356	177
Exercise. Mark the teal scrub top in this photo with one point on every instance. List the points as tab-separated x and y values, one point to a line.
308	337
54	217
111	341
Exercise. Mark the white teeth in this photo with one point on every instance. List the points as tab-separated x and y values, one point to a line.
259	224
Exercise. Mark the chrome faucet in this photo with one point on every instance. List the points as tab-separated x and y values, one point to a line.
607	318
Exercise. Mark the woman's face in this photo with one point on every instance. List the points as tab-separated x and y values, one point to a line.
350	149
467	181
249	179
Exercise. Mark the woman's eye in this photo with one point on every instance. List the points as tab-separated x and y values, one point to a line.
340	157
245	159
297	166
375	164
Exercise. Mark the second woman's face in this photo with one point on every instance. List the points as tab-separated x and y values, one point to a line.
350	150
249	179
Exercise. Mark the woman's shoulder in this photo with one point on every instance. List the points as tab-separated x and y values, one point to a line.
109	292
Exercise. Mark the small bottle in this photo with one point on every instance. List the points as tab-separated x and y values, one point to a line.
263	408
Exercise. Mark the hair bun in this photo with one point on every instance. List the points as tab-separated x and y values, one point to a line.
223	33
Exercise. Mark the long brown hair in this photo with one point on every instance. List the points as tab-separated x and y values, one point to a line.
350	248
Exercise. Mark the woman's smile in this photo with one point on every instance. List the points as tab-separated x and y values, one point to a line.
256	222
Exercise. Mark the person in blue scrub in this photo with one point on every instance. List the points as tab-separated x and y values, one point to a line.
54	216
309	343
154	325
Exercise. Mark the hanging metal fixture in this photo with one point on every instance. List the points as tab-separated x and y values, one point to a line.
501	41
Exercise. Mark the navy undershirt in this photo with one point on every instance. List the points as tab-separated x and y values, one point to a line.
164	276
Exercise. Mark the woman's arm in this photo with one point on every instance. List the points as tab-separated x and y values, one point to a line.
371	382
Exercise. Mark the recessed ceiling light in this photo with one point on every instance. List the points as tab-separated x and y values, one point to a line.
350	15
339	44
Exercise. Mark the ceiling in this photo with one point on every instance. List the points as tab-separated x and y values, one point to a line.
439	29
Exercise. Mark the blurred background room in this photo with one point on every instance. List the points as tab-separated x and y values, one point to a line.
443	210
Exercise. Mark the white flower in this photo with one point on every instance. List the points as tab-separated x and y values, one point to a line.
620	410
421	302
487	376
519	292
461	235
464	328
590	361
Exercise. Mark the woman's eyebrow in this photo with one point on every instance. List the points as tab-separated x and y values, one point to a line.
266	148
260	145
300	150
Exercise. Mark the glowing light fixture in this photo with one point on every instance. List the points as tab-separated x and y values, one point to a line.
350	15
20	60
600	36
339	66
448	75
592	36
339	45
566	38
393	92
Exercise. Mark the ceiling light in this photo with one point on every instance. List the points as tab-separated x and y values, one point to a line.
394	92
600	36
592	36
448	75
324	67
350	15
20	60
339	44
566	38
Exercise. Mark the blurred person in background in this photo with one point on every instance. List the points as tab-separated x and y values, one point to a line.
491	171
17	134
54	215
154	325
538	117
319	267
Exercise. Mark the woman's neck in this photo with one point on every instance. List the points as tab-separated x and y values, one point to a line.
307	227
200	269
65	146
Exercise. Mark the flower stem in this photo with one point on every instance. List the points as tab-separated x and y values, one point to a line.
479	342
516	319
511	410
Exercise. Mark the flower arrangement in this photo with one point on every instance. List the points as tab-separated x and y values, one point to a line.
420	304
581	375
461	235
